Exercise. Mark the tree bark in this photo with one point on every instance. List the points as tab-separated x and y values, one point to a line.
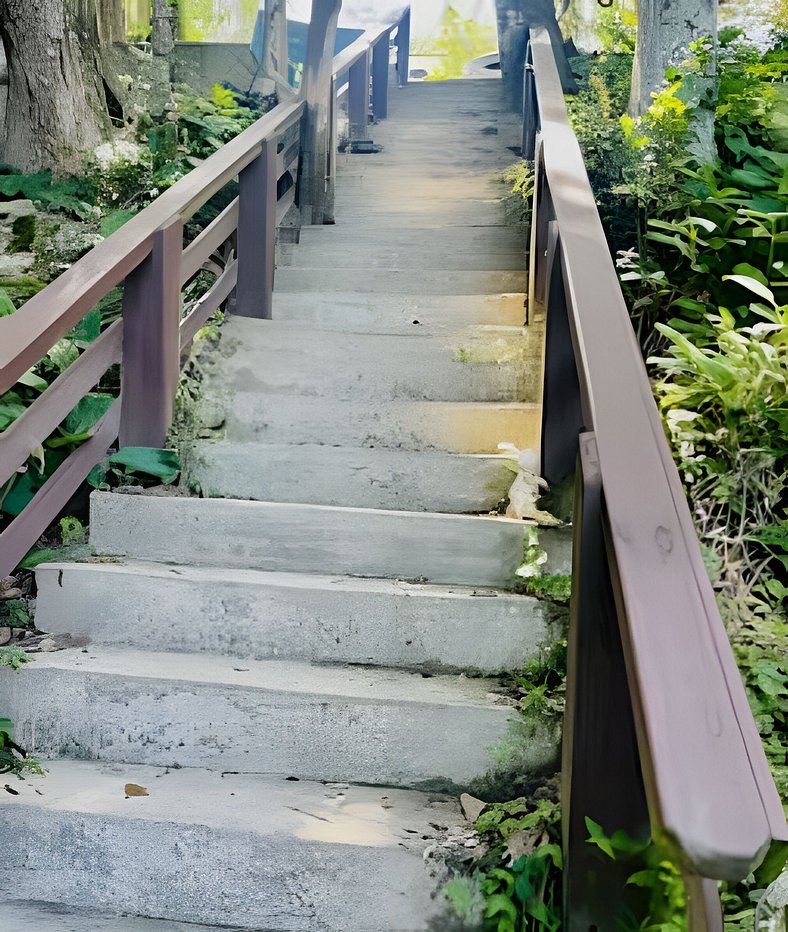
515	17
665	30
272	70
56	111
316	196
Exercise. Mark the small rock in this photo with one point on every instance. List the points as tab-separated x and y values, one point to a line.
7	582
472	843
48	645
19	633
5	636
134	789
472	807
11	594
19	208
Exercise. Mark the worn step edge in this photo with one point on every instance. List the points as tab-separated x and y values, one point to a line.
261	616
454	427
275	536
191	850
352	723
399	282
360	477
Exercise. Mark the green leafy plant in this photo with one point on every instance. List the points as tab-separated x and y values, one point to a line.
516	886
15	613
136	465
13	758
13	657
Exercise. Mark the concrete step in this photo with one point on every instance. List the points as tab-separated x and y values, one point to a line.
352	723
375	258
401	314
253	615
402	425
242	852
359	477
271	536
501	238
406	281
41	916
276	357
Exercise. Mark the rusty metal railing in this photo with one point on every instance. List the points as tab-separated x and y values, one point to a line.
147	256
658	738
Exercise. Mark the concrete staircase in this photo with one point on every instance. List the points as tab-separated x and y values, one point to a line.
283	664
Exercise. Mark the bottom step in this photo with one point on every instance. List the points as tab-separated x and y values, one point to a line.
34	916
240	851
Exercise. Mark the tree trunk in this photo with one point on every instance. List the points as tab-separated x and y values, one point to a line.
56	111
665	30
515	17
316	196
272	69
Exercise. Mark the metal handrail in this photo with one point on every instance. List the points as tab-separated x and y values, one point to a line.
672	747
148	257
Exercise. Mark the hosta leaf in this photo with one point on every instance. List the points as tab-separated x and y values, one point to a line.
163	464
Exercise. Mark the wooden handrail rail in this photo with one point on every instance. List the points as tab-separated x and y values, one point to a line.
704	782
49	315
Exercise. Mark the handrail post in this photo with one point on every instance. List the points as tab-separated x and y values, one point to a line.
150	364
257	235
317	137
530	109
358	97
600	771
403	49
562	416
380	77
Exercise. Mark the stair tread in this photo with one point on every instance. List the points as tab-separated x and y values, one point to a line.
258	803
38	916
304	581
355	682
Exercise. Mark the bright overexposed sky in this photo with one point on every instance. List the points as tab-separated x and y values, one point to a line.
426	14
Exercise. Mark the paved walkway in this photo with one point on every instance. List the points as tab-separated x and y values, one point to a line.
305	626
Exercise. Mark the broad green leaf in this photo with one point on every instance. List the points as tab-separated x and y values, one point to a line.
164	464
460	895
31	380
87	412
88	329
754	286
6	304
10	408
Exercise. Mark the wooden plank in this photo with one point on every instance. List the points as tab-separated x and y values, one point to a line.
218	231
54	495
210	302
53	405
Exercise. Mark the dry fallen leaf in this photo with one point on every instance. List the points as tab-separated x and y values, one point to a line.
134	789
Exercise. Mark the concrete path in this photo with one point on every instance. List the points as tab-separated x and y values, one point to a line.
315	615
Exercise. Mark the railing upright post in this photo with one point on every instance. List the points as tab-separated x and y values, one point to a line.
150	363
562	416
317	133
600	773
704	906
257	235
358	97
530	110
403	49
380	77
